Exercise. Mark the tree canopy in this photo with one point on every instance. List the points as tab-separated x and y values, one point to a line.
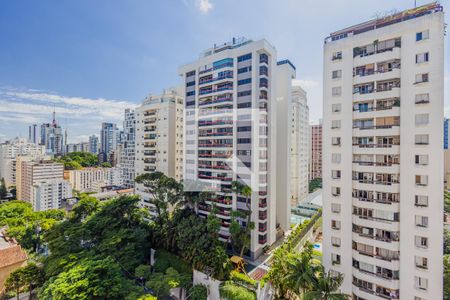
78	160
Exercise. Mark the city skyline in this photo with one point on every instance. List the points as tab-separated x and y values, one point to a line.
87	90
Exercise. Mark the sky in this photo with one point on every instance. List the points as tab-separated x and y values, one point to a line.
89	60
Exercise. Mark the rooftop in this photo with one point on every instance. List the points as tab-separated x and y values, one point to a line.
387	20
234	43
10	252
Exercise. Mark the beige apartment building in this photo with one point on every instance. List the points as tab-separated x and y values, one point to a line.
315	161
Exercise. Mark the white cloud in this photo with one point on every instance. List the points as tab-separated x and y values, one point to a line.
305	83
204	6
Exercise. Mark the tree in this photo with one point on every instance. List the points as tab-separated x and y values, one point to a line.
315	184
198	292
446	241
15	282
325	287
447	277
3	189
161	283
243	236
447	202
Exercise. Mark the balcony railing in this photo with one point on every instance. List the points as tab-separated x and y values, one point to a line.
362	145
228	76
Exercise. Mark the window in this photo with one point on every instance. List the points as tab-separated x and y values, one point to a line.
421	283
336	74
335	224
421	221
421	242
421	119
421	160
336	108
421	139
335	124
244	141
244	152
421	78
421	180
421	200
244	69
423	35
335	241
336	259
421	262
245	57
335	207
263	58
244	93
335	191
336	174
263	70
244	105
191	83
337	55
244	128
263	82
422	57
336	91
336	158
336	141
190	93
244	81
422	98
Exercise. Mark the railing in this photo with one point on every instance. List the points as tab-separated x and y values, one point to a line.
375	145
229	76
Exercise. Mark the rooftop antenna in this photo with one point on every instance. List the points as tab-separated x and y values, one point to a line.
54	114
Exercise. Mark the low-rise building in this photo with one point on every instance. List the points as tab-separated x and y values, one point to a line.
12	257
49	194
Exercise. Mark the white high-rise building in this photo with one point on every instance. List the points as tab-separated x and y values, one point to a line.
49	194
108	141
33	135
159	138
8	157
382	155
127	156
230	123
93	144
93	179
300	146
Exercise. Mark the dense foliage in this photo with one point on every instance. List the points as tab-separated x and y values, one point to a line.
447	277
233	291
315	184
78	160
3	189
198	292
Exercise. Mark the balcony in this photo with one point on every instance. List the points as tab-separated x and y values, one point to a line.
215	90
217	177
224	98
229	75
215	145
373	57
203	123
215	155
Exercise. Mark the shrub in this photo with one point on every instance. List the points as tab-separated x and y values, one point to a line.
231	291
242	279
165	260
198	292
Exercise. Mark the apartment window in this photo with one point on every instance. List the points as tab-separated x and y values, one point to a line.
190	93
336	74
244	141
335	124
336	91
244	152
337	55
336	174
335	207
335	224
421	139
191	83
422	78
244	93
422	98
335	241
244	81
421	180
421	160
245	57
244	69
423	35
244	105
421	200
421	221
336	259
421	262
421	283
244	128
335	191
336	108
422	57
422	119
421	242
336	158
336	141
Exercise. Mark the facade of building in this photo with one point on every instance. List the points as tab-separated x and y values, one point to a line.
93	179
108	141
78	147
93	144
8	157
315	160
52	137
300	146
159	138
33	134
229	134
128	156
12	257
32	171
384	152
446	121
50	194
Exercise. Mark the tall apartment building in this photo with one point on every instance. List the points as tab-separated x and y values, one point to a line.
78	147
8	157
315	161
127	157
52	137
93	144
108	141
384	152
159	138
33	135
31	171
49	194
229	134
300	145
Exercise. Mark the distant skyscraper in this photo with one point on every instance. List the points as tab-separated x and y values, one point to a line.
446	121
315	161
128	148
382	155
33	136
108	140
93	144
52	137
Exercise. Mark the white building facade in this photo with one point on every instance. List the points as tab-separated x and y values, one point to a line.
49	194
382	156
127	158
159	138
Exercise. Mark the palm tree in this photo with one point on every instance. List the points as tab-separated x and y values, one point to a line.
301	276
325	287
243	189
